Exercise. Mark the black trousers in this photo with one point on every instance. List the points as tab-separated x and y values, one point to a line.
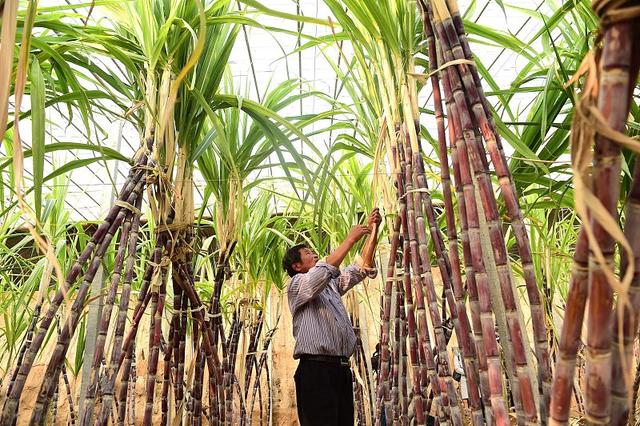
324	393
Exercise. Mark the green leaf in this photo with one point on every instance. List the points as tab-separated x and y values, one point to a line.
37	133
107	153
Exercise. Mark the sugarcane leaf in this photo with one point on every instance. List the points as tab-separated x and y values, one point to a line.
294	17
108	153
37	133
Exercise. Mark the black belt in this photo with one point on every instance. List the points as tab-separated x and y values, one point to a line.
340	360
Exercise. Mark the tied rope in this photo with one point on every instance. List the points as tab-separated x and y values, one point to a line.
589	122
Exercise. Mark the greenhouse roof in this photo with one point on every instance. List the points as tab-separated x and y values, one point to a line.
262	59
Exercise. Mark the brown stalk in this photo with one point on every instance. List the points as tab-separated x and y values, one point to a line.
412	259
459	49
57	358
424	270
383	397
463	326
158	296
472	289
562	387
109	385
478	166
613	102
490	346
92	390
10	408
619	396
395	371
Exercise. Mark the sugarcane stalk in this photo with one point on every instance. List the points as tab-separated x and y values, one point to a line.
459	49
613	102
54	403
423	265
261	364
211	355
515	335
57	358
424	270
357	391
174	334
628	314
472	289
250	357
416	337
463	330
403	370
514	325
234	335
621	407
25	345
634	396
123	357
132	378
414	237
476	349
395	372
10	408
67	386
180	356
562	387
109	384
166	375
158	296
464	184
92	389
196	393
216	326
383	392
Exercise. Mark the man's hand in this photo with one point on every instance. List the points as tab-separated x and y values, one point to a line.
375	217
357	232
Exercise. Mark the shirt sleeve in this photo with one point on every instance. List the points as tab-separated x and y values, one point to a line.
304	287
354	274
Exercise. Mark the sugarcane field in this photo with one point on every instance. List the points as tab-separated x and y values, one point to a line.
319	212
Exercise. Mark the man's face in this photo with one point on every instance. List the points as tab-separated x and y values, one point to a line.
308	260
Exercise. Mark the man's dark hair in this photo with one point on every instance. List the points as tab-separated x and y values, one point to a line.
292	256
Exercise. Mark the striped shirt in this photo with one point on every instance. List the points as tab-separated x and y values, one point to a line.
321	325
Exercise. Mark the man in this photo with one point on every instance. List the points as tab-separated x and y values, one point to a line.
322	329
